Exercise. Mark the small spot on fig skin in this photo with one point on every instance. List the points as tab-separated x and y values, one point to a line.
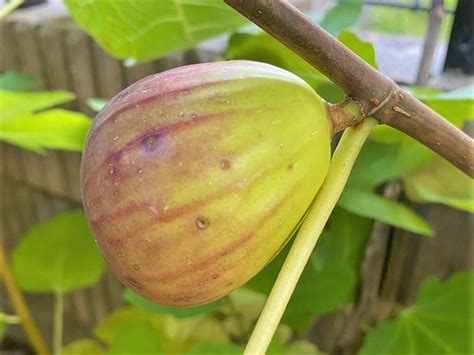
140	171
151	141
181	114
116	193
225	164
136	267
313	133
291	166
112	170
280	145
215	276
194	116
190	262
201	283
116	138
202	222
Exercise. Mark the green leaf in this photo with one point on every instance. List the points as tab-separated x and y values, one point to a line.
13	81
440	322
216	348
440	182
145	30
19	103
333	266
376	164
341	16
58	255
176	335
178	312
363	49
136	337
55	128
261	47
366	203
83	347
96	104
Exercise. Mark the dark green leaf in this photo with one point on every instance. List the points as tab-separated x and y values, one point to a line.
440	182
178	312
58	255
343	15
216	348
331	276
13	81
440	322
366	203
145	30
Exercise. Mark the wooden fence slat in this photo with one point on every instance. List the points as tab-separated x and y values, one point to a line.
81	68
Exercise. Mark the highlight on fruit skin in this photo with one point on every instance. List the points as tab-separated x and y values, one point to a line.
193	179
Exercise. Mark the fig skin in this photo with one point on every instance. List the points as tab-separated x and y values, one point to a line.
193	179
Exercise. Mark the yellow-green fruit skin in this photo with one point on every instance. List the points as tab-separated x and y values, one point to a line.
193	179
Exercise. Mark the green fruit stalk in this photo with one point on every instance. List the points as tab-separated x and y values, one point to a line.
193	179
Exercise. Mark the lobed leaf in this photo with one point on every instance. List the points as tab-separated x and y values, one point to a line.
57	255
145	30
440	322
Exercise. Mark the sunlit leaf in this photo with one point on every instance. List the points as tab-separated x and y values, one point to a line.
14	103
55	128
58	255
145	30
440	182
440	322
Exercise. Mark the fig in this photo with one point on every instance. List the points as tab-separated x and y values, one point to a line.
193	179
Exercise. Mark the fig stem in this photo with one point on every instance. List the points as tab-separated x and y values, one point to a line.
344	114
341	165
21	308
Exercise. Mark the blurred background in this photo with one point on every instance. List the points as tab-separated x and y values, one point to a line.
404	220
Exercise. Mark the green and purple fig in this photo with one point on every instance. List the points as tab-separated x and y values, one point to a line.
193	179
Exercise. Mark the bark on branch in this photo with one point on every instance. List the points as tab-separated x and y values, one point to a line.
377	94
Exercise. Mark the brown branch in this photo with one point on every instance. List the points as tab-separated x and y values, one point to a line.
377	94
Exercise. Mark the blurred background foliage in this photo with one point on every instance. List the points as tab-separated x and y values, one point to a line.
440	320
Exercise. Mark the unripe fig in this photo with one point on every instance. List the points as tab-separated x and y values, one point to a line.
193	179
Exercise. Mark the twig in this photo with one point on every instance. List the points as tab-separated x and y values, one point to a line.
318	214
21	309
9	7
359	80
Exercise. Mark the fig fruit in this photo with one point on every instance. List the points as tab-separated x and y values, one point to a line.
193	179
